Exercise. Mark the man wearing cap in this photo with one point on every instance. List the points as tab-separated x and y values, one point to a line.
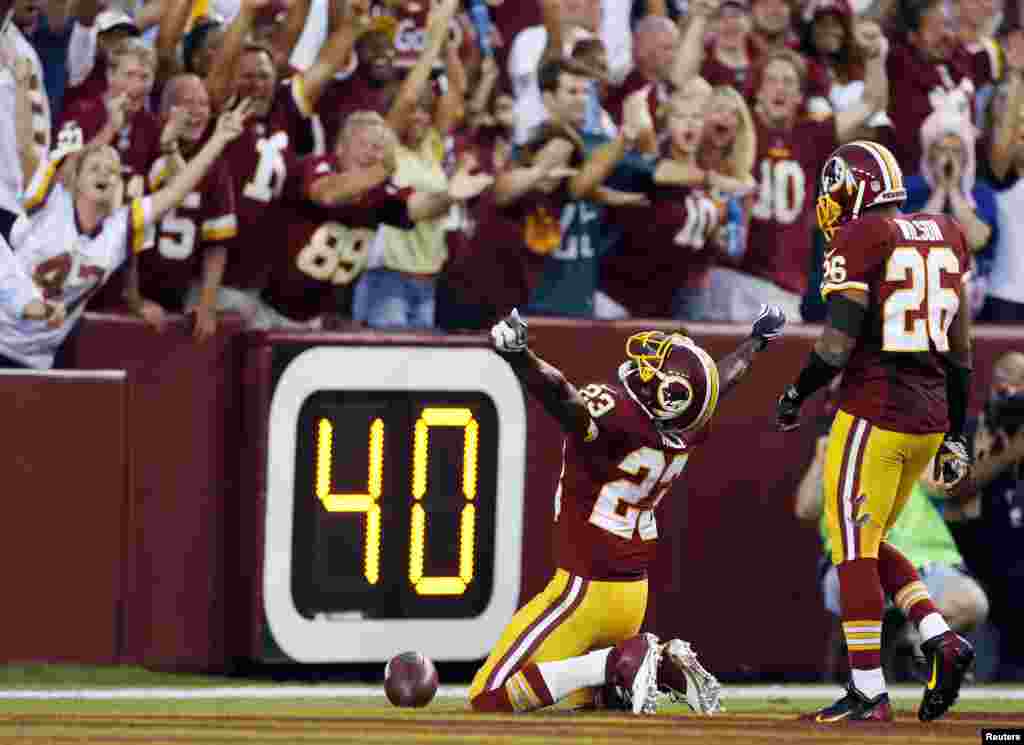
93	37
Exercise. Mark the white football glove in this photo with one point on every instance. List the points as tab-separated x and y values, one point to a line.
509	334
69	140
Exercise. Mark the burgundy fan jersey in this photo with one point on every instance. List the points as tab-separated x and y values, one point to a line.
920	86
326	249
782	219
138	142
343	95
663	245
205	218
610	486
91	88
410	35
657	95
260	161
913	267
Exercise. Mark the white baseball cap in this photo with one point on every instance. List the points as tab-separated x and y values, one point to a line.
112	18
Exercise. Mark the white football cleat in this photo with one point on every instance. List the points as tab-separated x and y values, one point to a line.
687	680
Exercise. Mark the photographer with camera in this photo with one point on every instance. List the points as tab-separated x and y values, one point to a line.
986	511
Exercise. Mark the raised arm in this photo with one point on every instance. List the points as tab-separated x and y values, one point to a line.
876	82
82	44
1004	139
451	107
28	153
551	17
173	21
413	85
544	381
229	126
335	52
220	80
690	52
287	34
735	365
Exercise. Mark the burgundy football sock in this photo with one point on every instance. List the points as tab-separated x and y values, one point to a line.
903	584
862	602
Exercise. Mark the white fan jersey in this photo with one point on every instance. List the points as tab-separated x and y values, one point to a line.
67	265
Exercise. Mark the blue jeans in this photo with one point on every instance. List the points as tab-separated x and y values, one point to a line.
387	299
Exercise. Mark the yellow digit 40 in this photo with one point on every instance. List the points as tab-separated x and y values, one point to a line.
443	417
368	503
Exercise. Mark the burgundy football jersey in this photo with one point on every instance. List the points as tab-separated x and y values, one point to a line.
304	127
657	95
90	89
204	219
716	73
783	217
410	34
913	267
138	142
261	161
664	245
610	486
326	249
342	96
919	86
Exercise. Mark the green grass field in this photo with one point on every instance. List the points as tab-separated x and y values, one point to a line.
75	704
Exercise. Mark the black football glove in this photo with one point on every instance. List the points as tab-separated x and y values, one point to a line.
952	462
769	324
787	411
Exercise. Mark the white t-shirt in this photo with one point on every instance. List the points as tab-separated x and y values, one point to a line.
313	36
1007	275
12	183
67	265
523	63
16	288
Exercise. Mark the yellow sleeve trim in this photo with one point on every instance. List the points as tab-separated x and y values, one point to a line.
299	95
830	287
43	184
138	226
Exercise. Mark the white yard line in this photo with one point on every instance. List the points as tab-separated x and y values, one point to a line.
797	692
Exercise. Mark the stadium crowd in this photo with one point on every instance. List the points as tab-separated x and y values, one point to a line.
432	164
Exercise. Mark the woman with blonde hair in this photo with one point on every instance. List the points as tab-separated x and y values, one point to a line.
662	269
75	234
729	143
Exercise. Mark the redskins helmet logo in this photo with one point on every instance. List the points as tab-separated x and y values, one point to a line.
835	175
684	394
